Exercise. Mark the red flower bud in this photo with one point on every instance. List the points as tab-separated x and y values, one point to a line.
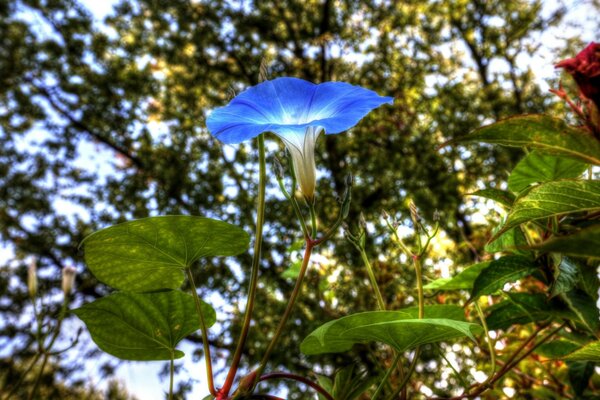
585	69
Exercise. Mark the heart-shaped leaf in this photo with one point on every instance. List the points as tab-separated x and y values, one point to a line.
499	196
401	329
550	135
537	167
143	326
152	253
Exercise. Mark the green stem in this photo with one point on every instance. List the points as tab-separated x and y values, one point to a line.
313	221
489	340
371	274
22	377
45	350
288	309
456	373
421	301
386	376
204	329
171	376
409	373
260	220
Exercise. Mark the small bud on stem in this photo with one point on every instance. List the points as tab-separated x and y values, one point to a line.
68	279
32	282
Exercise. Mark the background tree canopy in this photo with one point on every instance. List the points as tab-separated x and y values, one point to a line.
101	122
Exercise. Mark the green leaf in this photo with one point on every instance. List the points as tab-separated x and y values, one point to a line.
400	329
584	307
152	253
293	271
499	196
589	352
550	135
537	167
552	199
462	280
580	373
501	271
143	326
520	308
557	348
589	281
583	243
512	240
566	275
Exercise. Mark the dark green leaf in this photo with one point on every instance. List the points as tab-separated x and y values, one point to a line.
566	275
143	326
556	349
537	167
552	199
152	253
550	135
520	308
501	271
584	243
589	352
463	280
400	329
580	373
584	307
500	196
589	281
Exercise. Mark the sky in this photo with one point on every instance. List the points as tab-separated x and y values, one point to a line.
142	378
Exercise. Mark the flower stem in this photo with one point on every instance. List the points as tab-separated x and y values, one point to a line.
288	309
204	329
313	221
260	220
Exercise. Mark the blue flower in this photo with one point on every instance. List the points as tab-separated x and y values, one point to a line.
298	112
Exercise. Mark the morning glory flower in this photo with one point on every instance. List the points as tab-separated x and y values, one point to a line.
298	112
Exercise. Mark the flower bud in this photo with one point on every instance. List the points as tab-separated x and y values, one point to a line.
68	278
585	69
32	282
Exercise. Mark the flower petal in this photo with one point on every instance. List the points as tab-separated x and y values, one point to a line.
286	105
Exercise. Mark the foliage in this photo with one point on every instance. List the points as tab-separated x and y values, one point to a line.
137	90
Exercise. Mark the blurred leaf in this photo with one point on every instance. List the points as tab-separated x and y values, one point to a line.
580	373
550	135
500	196
501	271
584	307
400	329
152	253
589	352
513	240
293	271
553	199
556	349
583	243
326	384
566	276
520	308
537	167
143	326
462	280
